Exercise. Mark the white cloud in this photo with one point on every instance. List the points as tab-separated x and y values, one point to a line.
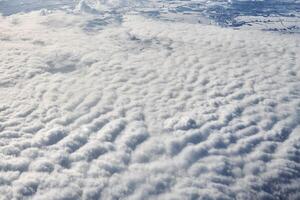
146	109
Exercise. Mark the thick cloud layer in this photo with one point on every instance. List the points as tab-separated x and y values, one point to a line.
146	109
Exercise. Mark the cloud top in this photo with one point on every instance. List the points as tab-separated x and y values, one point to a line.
146	109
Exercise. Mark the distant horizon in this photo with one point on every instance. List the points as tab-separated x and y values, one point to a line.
269	15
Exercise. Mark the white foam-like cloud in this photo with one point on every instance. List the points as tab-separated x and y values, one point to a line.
146	109
107	5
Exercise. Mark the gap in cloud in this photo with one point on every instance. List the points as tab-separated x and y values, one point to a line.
270	15
284	13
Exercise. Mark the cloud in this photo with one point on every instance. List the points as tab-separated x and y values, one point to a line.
146	109
94	6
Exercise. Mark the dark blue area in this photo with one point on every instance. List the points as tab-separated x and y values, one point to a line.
225	15
221	12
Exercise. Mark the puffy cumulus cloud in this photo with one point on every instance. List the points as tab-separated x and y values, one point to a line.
145	109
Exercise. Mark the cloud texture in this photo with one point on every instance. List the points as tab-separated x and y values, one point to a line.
146	109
